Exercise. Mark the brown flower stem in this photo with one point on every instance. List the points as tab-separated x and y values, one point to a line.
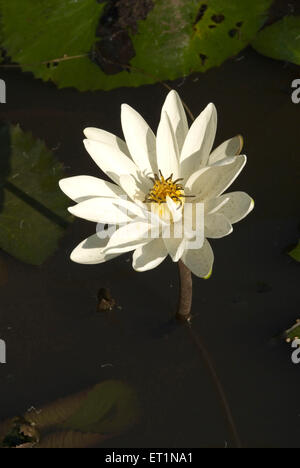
183	314
185	293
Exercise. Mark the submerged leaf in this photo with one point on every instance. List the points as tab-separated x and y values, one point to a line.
71	439
293	332
109	408
33	214
126	42
82	420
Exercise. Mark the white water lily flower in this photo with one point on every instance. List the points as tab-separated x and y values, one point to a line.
145	170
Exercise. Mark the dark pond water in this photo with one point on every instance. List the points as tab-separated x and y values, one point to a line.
56	342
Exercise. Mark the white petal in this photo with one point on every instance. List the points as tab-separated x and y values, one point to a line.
107	210
199	261
149	256
212	181
214	204
167	149
194	224
229	148
80	188
175	247
129	237
113	162
140	140
90	251
224	161
199	141
130	186
217	226
192	181
238	205
175	209
177	116
97	134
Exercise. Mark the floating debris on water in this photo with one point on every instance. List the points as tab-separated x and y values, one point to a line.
292	333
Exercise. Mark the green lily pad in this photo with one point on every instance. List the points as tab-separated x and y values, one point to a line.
295	253
221	30
33	210
158	40
281	40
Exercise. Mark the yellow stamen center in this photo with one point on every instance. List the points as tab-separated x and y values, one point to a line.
163	188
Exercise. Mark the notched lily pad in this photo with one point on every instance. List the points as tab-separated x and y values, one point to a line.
33	211
281	40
